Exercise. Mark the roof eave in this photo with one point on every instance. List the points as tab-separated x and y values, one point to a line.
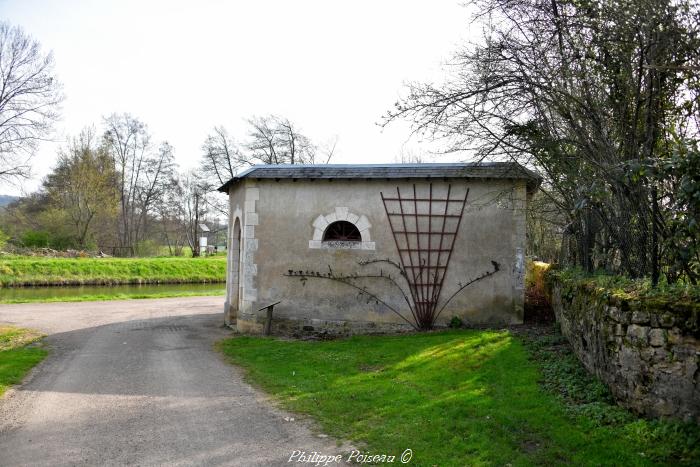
532	178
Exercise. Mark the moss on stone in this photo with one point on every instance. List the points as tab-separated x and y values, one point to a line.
683	300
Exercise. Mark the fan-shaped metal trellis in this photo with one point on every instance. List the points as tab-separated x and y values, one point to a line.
425	230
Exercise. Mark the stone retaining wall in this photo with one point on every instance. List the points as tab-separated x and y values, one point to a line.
647	352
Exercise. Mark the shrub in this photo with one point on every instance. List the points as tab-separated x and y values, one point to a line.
535	276
3	238
147	248
61	242
35	239
44	239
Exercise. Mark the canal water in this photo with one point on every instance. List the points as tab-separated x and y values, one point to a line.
46	293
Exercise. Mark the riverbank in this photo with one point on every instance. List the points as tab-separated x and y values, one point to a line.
91	293
24	271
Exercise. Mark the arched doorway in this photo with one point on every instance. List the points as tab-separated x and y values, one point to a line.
234	285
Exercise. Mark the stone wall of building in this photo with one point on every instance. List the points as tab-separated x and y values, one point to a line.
646	351
283	222
319	328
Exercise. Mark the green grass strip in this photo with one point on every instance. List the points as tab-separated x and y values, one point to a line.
20	271
114	296
455	398
17	355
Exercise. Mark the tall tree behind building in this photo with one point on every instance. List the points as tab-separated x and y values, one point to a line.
270	140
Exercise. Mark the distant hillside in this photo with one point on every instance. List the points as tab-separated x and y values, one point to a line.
7	199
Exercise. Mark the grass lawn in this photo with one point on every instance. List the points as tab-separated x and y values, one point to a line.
116	295
17	356
25	271
456	398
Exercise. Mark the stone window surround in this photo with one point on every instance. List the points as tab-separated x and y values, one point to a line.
342	214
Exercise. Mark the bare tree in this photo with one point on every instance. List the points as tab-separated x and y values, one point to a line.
144	175
168	211
222	157
270	140
193	209
592	95
409	156
180	211
275	140
29	100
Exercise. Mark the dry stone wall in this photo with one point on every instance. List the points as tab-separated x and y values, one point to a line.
646	351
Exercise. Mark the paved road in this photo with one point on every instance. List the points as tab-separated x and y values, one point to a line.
137	383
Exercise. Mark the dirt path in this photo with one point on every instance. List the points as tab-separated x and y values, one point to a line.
137	382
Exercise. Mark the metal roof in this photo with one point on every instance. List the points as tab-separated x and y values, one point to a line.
508	170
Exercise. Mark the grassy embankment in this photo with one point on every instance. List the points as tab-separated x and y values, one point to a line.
485	397
33	272
18	354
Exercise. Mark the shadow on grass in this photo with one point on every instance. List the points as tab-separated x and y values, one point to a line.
454	398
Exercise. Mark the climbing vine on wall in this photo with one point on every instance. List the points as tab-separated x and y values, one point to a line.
425	228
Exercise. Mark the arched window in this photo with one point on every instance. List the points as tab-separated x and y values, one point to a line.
343	231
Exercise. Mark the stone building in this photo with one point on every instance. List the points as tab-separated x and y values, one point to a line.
363	248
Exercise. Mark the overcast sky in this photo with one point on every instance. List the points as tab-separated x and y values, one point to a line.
333	68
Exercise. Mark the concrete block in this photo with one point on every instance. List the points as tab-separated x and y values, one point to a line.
341	213
630	360
660	355
320	223
246	306
647	353
657	337
363	223
666	320
249	206
640	317
251	218
252	193
614	313
637	333
654	320
250	294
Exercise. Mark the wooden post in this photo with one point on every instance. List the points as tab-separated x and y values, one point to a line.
267	330
268	320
